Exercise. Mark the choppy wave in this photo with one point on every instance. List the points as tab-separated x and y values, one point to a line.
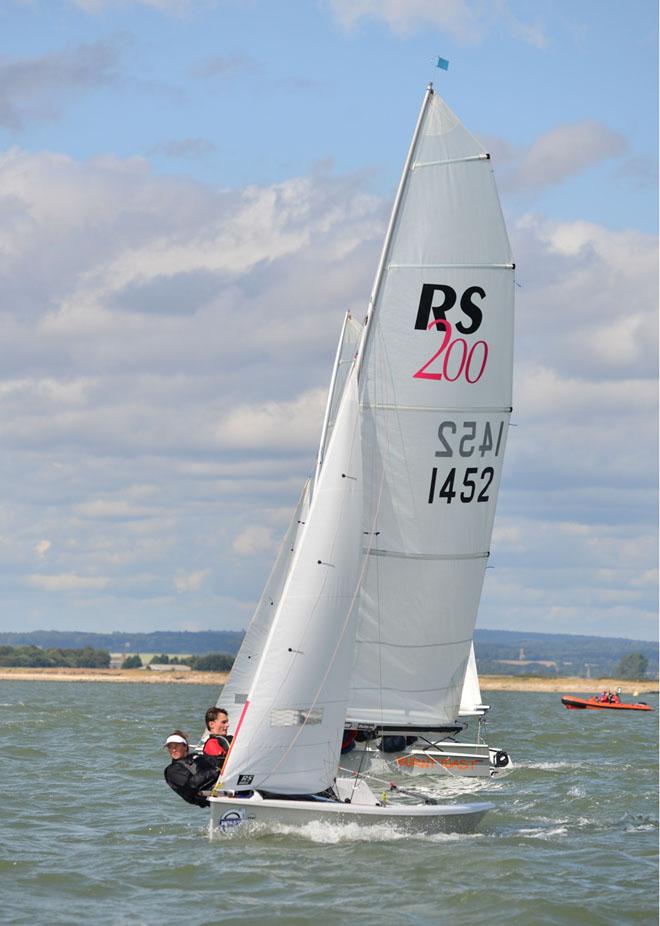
93	834
555	766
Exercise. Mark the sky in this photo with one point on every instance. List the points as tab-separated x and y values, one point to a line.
192	194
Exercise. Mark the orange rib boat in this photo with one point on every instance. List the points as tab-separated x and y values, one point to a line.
594	704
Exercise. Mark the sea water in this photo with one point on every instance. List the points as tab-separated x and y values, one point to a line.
90	833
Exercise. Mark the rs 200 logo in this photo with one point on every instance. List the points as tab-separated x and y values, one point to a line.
454	359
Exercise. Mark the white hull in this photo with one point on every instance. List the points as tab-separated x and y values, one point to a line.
229	813
469	760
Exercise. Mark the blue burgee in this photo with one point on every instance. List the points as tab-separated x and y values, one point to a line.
443	63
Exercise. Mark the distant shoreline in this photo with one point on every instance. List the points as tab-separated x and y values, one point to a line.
135	676
565	684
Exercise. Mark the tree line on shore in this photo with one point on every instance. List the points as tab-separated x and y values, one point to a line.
35	657
198	642
209	662
499	652
632	665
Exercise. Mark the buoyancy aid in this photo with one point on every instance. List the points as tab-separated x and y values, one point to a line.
217	745
348	741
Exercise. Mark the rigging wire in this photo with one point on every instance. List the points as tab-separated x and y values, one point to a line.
392	786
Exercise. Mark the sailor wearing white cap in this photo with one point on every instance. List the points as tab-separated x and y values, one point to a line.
189	774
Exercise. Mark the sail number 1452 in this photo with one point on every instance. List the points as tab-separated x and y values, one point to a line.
465	439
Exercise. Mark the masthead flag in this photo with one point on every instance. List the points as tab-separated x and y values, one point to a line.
443	63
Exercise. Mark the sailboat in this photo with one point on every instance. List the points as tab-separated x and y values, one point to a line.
496	762
367	618
440	755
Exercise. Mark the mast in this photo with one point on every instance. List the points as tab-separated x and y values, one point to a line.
405	173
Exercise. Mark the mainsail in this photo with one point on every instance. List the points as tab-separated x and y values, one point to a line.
435	375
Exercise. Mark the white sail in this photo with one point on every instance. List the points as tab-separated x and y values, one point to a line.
471	704
349	340
288	736
234	693
435	372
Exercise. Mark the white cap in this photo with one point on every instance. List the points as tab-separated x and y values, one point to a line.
175	738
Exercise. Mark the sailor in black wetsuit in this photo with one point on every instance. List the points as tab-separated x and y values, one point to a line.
188	774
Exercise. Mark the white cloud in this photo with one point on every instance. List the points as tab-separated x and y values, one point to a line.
67	582
283	425
545	394
111	508
165	354
466	20
157	294
191	581
254	539
42	548
588	302
563	576
221	65
183	148
565	151
648	578
36	88
176	7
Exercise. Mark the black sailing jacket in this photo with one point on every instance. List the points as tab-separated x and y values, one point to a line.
192	774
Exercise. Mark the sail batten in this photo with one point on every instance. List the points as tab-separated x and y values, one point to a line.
454	266
506	409
484	156
414	691
398	643
439	556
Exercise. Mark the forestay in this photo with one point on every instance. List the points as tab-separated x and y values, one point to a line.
288	736
435	374
349	340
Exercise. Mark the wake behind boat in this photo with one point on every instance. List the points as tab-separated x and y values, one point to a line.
596	703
